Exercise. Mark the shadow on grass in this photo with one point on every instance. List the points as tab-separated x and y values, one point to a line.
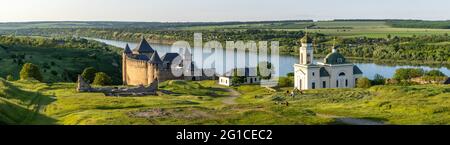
26	110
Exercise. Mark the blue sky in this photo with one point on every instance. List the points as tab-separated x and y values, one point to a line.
220	10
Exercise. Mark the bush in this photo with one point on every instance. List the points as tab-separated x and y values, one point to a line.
291	74
286	82
89	74
435	73
363	83
102	79
10	78
378	80
30	71
408	73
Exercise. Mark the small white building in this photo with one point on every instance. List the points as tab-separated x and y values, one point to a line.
248	74
334	72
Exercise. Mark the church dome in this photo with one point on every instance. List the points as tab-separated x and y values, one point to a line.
334	58
306	39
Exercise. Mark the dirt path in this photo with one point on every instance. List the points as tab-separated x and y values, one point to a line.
352	121
230	100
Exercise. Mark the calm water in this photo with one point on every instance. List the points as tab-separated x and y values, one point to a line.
286	62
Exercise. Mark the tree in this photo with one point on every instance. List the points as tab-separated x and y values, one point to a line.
291	74
236	79
363	83
102	79
30	71
408	73
9	78
286	81
89	74
378	80
435	73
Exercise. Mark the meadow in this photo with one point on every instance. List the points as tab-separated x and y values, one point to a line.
28	102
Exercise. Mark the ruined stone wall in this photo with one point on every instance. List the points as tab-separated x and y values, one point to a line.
136	72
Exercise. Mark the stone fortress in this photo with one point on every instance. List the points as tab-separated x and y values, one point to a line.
143	69
143	66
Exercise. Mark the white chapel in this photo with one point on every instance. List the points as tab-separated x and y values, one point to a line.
334	72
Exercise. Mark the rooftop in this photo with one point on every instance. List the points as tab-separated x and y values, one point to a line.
144	47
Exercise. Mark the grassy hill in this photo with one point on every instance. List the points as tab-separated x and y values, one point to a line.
194	103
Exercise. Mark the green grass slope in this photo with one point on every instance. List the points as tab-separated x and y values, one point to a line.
25	102
19	106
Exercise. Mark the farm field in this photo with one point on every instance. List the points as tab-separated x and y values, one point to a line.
370	29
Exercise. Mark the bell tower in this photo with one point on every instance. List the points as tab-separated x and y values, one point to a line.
306	50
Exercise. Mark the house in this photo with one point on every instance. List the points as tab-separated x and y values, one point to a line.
244	75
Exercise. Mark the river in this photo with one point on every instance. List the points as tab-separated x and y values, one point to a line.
286	62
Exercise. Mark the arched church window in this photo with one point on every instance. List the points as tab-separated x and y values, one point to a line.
313	74
342	74
346	83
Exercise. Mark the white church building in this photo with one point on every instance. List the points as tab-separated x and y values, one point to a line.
334	72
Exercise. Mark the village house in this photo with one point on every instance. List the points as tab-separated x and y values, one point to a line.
248	76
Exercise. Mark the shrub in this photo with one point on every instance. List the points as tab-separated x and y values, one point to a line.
435	73
291	74
30	71
286	81
102	79
89	74
378	80
9	78
408	73
363	83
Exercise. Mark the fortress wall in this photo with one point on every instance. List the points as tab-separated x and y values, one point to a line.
166	74
151	73
136	72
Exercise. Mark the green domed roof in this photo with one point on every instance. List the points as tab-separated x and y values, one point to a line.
334	58
306	39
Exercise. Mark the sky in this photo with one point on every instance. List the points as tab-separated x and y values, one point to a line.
219	10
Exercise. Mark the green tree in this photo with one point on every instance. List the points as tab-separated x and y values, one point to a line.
408	73
378	80
435	73
286	81
30	71
89	74
363	83
291	74
102	79
236	79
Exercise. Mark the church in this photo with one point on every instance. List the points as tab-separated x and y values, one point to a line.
144	66
334	72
